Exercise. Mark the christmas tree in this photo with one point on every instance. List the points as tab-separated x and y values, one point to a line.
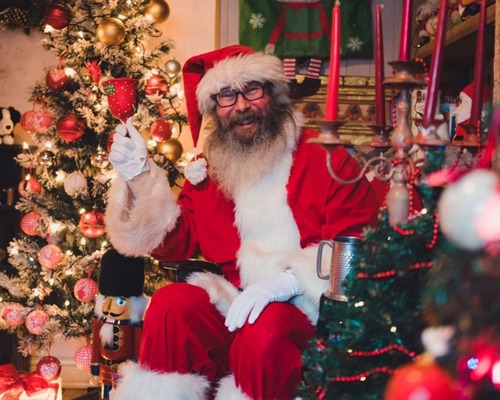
108	70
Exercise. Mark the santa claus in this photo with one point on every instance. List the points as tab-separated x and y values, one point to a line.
257	203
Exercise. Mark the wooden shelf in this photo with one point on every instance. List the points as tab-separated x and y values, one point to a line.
460	42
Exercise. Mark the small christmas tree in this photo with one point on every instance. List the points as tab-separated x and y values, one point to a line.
106	72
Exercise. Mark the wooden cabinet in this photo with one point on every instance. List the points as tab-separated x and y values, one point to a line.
460	49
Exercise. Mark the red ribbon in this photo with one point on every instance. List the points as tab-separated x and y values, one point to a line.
13	384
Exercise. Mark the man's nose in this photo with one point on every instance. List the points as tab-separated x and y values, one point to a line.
241	102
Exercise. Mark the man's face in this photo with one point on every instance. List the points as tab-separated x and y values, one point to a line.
116	307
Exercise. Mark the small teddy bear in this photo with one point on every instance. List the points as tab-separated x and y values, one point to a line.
9	117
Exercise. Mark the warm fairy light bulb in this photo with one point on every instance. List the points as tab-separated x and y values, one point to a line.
69	253
359	304
80	33
122	17
1	299
394	329
83	241
81	211
51	281
151	143
104	244
48	145
48	29
423	211
60	176
362	379
66	303
31	258
27	177
25	146
54	227
69	71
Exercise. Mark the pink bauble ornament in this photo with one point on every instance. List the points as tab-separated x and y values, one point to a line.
82	358
27	121
161	130
49	368
70	127
157	84
30	223
50	256
29	186
75	183
56	79
462	204
35	321
85	290
92	224
13	314
42	121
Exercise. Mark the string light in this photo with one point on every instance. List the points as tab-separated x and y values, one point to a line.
363	375
383	350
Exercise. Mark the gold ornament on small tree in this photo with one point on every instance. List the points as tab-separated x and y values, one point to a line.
173	67
171	148
157	10
111	31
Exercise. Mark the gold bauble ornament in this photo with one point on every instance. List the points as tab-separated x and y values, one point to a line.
157	11
111	31
171	148
173	67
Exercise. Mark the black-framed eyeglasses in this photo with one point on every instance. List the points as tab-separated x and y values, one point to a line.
227	97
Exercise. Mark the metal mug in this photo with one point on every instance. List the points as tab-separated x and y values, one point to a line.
344	249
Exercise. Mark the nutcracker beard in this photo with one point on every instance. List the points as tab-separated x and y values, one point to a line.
237	161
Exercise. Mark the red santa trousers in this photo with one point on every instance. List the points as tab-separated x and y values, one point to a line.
185	333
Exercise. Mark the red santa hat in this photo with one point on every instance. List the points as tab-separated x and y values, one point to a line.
233	66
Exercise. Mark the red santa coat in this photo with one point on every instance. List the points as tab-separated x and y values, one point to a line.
270	226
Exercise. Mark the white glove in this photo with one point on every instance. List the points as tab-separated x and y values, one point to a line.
256	297
128	154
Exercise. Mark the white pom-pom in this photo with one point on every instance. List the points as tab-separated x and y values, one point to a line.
196	171
75	183
437	340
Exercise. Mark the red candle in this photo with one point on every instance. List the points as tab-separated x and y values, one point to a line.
332	93
477	94
435	71
404	44
379	68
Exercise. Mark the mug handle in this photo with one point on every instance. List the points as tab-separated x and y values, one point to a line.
320	256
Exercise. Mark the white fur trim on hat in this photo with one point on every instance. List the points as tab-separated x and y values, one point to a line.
196	171
236	71
228	390
139	383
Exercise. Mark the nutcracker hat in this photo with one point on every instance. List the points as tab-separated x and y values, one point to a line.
120	275
233	66
486	92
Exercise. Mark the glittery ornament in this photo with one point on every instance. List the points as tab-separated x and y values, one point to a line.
157	11
173	67
160	130
57	15
46	158
75	183
50	256
35	321
27	121
29	186
122	96
56	79
70	127
100	158
111	31
85	290
82	358
42	121
92	224
13	314
157	84
30	223
49	368
171	148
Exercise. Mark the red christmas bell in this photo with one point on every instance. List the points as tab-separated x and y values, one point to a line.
82	358
49	368
35	321
58	15
28	121
13	314
42	121
85	290
70	127
156	84
50	256
29	185
122	96
92	224
56	79
30	223
161	130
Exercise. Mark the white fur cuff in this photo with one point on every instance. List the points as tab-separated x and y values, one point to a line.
228	390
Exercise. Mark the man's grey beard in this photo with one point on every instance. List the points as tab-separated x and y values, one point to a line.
236	162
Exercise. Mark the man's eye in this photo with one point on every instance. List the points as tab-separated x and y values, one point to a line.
251	89
226	95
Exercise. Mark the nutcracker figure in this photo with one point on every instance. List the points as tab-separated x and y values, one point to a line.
119	313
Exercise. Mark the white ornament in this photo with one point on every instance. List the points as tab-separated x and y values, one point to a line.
75	183
463	203
436	340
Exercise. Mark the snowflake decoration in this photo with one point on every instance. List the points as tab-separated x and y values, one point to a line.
257	21
355	43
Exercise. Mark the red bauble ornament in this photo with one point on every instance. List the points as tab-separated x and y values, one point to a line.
30	223
422	379
49	368
110	142
156	84
85	290
56	79
28	121
58	15
161	130
82	358
35	321
92	224
50	256
42	121
28	186
70	127
13	314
